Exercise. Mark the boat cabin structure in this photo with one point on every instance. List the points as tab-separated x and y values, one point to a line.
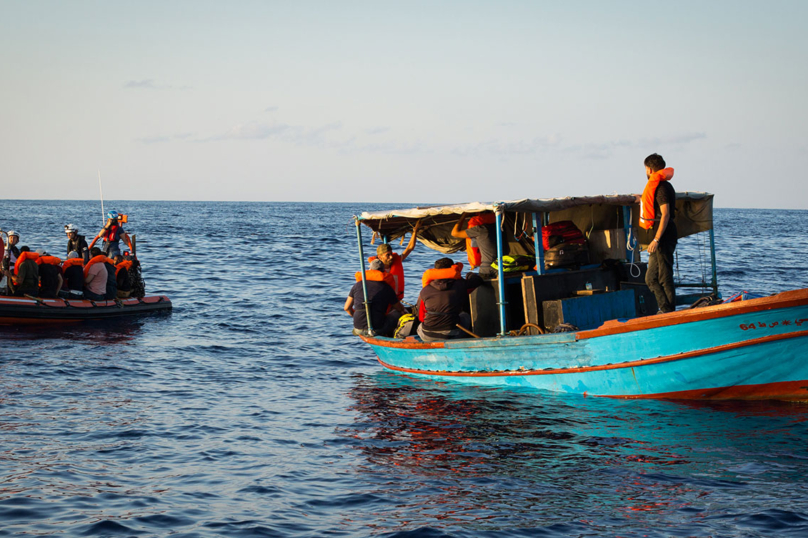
576	285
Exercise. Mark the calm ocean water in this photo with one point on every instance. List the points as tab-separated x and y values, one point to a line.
252	411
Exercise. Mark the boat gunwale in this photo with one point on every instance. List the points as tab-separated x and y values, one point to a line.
787	299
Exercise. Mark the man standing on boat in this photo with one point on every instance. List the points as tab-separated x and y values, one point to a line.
657	213
393	262
112	233
77	243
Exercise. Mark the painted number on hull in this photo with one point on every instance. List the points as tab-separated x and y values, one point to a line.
761	325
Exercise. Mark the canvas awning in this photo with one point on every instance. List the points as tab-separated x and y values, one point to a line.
694	213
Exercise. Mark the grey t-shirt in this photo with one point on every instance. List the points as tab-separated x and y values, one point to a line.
486	238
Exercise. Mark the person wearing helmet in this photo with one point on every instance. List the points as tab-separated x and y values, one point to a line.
76	243
112	233
12	250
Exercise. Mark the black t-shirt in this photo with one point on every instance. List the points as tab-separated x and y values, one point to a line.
48	280
74	278
665	194
381	297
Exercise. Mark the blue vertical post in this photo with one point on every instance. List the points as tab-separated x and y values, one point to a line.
538	244
364	281
627	231
500	274
712	260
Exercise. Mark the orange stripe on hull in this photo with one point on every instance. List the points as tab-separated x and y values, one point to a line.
414	344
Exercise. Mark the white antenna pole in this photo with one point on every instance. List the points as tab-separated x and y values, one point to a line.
103	213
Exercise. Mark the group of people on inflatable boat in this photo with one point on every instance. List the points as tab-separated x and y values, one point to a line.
87	272
438	314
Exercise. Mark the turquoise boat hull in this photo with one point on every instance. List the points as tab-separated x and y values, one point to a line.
753	349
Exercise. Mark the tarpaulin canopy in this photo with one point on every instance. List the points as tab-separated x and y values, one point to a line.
694	213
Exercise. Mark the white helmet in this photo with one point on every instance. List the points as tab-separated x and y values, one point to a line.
13	233
70	228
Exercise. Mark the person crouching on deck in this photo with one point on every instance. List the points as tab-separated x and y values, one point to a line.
392	261
385	308
441	301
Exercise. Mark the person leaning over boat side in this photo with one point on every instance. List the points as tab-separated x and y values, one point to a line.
112	233
657	213
393	262
76	243
23	279
441	301
483	230
95	276
381	298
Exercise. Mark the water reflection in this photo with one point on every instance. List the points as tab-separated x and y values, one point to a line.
456	455
109	331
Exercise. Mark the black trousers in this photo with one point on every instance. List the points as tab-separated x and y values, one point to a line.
659	277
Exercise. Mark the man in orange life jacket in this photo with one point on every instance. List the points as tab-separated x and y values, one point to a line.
95	277
23	276
482	229
392	261
657	213
73	274
50	275
441	301
381	299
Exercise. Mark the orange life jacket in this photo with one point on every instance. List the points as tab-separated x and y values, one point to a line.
647	213
50	260
397	271
376	276
126	264
101	258
70	262
473	253
22	257
452	272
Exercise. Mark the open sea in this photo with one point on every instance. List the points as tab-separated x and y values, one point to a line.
252	411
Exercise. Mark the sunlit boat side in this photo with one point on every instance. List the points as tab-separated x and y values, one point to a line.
746	349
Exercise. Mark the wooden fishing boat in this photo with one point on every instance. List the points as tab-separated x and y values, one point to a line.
615	345
36	311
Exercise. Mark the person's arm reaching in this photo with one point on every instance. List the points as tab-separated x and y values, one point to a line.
411	244
456	231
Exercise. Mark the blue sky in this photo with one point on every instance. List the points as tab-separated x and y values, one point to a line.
402	101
